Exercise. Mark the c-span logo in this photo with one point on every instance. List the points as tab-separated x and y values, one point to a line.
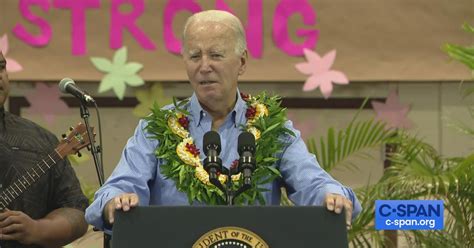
230	237
409	214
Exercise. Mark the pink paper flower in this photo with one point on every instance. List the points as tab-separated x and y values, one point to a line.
45	101
321	74
393	112
12	65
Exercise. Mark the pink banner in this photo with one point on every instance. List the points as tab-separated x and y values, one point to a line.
253	25
283	12
120	21
172	8
78	21
44	36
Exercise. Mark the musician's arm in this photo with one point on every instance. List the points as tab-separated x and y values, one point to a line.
61	227
66	222
58	228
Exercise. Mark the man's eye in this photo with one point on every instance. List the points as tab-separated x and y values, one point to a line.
216	55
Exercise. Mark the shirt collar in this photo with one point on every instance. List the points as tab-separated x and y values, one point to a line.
237	114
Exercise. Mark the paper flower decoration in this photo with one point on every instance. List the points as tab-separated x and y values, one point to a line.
393	112
147	97
119	73
321	75
46	101
12	65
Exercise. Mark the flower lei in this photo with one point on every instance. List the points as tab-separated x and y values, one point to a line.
180	156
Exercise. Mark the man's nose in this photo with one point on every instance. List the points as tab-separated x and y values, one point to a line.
205	65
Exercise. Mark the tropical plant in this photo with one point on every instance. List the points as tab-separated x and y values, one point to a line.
336	149
417	171
463	54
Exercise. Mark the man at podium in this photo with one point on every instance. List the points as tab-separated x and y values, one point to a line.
161	163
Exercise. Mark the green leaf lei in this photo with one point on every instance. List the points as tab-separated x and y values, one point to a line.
269	126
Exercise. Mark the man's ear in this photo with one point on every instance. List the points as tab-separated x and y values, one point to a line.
243	62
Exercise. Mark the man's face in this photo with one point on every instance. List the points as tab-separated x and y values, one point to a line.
4	82
211	63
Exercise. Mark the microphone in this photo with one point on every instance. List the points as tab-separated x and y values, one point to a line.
246	149
212	162
67	85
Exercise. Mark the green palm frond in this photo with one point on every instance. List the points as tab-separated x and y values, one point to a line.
459	220
337	147
468	28
419	172
463	54
462	127
417	168
434	239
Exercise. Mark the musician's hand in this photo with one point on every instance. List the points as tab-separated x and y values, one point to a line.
336	202
16	225
123	202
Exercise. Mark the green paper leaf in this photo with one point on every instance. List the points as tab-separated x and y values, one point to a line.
108	82
120	56
102	64
119	89
134	80
132	68
120	73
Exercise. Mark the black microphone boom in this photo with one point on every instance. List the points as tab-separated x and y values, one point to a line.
67	85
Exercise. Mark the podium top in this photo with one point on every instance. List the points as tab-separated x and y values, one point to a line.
224	226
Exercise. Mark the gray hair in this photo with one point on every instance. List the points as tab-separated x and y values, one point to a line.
223	17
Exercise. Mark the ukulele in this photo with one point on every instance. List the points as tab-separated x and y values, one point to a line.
70	144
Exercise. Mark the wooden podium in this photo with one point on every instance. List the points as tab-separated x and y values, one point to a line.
229	227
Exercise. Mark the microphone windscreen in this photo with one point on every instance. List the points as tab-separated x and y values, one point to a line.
211	139
64	82
246	142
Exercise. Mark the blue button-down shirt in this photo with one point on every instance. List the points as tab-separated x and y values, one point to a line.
138	169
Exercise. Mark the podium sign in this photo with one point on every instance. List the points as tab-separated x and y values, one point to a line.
229	227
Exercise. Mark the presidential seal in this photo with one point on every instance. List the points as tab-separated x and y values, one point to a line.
230	237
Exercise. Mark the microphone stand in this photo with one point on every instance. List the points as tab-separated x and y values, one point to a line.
229	192
95	150
227	189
